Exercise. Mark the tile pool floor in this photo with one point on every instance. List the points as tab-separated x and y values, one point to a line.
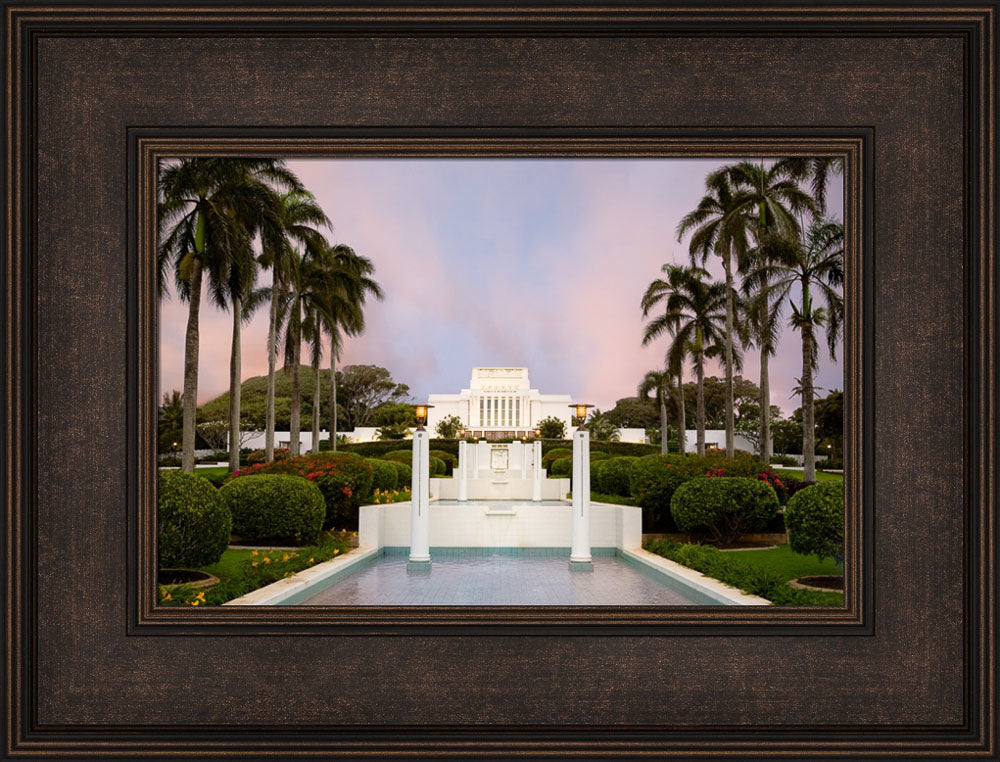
498	579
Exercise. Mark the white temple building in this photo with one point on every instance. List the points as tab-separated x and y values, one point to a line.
499	404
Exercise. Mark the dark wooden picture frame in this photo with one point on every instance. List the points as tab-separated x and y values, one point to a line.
906	93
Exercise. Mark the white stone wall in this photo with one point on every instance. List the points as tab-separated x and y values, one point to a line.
524	526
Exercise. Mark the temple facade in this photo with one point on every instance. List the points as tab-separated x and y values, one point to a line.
499	404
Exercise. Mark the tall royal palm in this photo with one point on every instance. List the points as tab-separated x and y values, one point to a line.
769	201
720	230
352	284
817	170
204	205
691	308
300	223
813	265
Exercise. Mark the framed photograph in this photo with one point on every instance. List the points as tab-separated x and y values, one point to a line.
555	381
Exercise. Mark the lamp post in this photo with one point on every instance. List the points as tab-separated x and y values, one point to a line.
579	554
420	550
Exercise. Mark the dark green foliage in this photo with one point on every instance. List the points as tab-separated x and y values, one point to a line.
652	483
275	508
612	476
552	428
400	456
728	568
815	519
192	521
596	455
612	448
723	508
404	474
554	454
450	461
436	466
343	478
385	475
378	449
562	467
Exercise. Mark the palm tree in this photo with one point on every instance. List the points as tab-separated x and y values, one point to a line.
344	315
659	381
818	170
768	199
336	288
694	315
721	231
814	261
300	218
204	204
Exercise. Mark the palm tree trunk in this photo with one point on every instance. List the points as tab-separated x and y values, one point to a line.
272	362
191	370
765	408
682	416
295	425
808	425
730	415
235	374
333	397
700	364
664	429
316	398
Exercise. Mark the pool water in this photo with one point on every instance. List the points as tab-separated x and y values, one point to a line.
500	577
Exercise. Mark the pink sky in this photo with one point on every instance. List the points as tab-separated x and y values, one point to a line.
500	262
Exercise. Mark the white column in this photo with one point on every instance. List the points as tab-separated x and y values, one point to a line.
524	460
420	548
537	475
463	465
579	556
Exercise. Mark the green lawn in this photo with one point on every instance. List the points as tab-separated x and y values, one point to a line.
230	565
212	472
821	476
790	565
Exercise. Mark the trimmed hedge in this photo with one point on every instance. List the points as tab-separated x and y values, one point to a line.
400	456
385	475
562	468
450	461
815	520
597	455
404	474
192	521
555	454
612	476
343	478
652	483
436	466
723	508
275	508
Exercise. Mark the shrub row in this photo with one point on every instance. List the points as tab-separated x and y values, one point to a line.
343	478
728	568
275	508
723	508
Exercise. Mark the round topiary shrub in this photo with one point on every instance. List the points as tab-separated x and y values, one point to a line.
598	455
652	483
400	456
275	508
815	520
723	508
385	476
193	523
612	476
555	454
343	478
562	467
450	461
436	466
404	474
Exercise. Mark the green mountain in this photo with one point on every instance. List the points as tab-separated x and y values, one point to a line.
253	399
